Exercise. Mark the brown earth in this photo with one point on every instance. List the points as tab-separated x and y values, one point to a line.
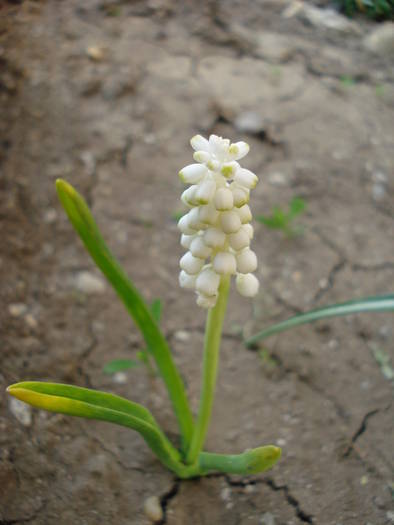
107	95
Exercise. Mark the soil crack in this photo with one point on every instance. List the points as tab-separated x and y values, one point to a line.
360	431
269	482
167	497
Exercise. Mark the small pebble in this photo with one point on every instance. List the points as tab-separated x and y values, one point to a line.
21	411
95	53
31	321
17	309
153	509
225	494
277	179
120	378
182	335
89	283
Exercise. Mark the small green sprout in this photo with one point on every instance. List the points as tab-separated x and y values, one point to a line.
347	81
284	220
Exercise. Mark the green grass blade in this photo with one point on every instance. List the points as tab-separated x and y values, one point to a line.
118	365
84	224
92	404
382	303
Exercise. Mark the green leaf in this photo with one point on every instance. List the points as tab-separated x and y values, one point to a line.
297	206
93	404
252	461
84	224
382	303
117	365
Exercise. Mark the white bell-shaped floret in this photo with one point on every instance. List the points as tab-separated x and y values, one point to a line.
214	237
206	301
205	191
219	147
208	214
223	199
230	221
229	169
191	264
201	156
198	143
248	228
246	178
238	150
240	195
193	219
184	226
239	240
224	263
244	214
199	249
247	284
188	197
186	240
246	261
186	280
207	282
214	165
193	173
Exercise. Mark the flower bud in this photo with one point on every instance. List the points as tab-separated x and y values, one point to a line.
224	263
229	169
193	173
183	225
206	301
187	281
248	228
230	221
246	261
239	240
201	156
207	214
240	195
205	191
207	282
238	150
246	178
199	249
186	240
199	143
218	146
223	199
214	237
191	264
244	214
247	284
188	197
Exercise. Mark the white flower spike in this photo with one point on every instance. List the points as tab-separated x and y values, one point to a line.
217	230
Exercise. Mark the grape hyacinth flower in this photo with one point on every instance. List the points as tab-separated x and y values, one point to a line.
216	231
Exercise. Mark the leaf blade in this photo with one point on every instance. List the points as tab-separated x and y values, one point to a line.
93	404
82	220
383	303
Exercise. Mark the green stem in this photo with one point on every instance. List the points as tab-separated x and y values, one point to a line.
213	335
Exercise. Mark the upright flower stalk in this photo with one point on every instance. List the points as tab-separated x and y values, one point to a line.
217	233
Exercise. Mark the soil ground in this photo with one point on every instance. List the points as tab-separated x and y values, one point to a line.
107	95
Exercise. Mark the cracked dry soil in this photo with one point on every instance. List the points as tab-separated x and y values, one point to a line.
106	95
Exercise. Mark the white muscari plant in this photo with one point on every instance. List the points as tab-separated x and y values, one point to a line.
216	231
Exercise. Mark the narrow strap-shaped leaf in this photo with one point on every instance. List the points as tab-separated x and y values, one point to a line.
251	461
84	224
378	303
88	395
92	404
